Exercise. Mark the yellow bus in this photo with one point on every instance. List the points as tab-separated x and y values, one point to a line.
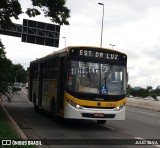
80	82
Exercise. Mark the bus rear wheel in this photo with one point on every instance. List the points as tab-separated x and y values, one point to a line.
101	121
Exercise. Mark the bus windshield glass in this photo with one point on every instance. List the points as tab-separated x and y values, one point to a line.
96	78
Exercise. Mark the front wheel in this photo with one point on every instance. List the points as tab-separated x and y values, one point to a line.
56	117
101	121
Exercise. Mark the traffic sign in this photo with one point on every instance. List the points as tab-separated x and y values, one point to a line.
34	32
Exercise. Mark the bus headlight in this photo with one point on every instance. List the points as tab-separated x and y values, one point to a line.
120	106
75	105
78	106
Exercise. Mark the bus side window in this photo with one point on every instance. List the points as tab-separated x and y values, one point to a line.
55	68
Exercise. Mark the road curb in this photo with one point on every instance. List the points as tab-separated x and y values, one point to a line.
14	123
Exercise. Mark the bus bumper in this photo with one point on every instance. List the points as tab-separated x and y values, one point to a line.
71	112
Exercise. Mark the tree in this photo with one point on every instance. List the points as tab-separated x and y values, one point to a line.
149	88
54	9
128	89
8	72
18	74
5	66
2	52
139	92
8	9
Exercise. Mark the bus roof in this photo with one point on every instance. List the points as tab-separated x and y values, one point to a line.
70	47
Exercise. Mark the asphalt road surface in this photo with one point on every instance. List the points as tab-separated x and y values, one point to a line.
139	124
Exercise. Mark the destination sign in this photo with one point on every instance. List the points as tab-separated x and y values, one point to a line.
96	53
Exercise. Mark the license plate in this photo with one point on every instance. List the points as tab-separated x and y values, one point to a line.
98	115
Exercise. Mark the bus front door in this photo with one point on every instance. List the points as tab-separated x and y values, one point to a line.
61	85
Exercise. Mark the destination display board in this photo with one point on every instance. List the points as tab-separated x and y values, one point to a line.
98	53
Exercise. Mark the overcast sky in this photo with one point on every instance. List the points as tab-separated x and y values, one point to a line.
132	25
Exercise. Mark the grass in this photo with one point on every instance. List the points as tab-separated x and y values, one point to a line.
7	131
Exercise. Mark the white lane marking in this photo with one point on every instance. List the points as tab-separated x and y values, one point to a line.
148	142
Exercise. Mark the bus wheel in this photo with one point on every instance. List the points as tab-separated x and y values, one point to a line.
101	121
53	112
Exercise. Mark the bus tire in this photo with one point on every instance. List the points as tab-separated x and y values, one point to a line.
101	121
53	111
36	108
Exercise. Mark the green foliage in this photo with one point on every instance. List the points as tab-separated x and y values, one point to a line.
141	92
6	132
8	9
5	66
21	75
54	9
8	72
2	52
155	93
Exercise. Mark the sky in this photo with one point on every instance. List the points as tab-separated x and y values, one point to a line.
132	25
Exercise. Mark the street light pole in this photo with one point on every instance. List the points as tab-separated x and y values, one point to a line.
65	41
112	45
102	23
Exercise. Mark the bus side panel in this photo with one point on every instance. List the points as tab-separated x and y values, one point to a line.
49	92
40	84
35	91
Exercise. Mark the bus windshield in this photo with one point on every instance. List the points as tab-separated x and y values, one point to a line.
96	78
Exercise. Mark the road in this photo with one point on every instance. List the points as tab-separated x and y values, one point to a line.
139	124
